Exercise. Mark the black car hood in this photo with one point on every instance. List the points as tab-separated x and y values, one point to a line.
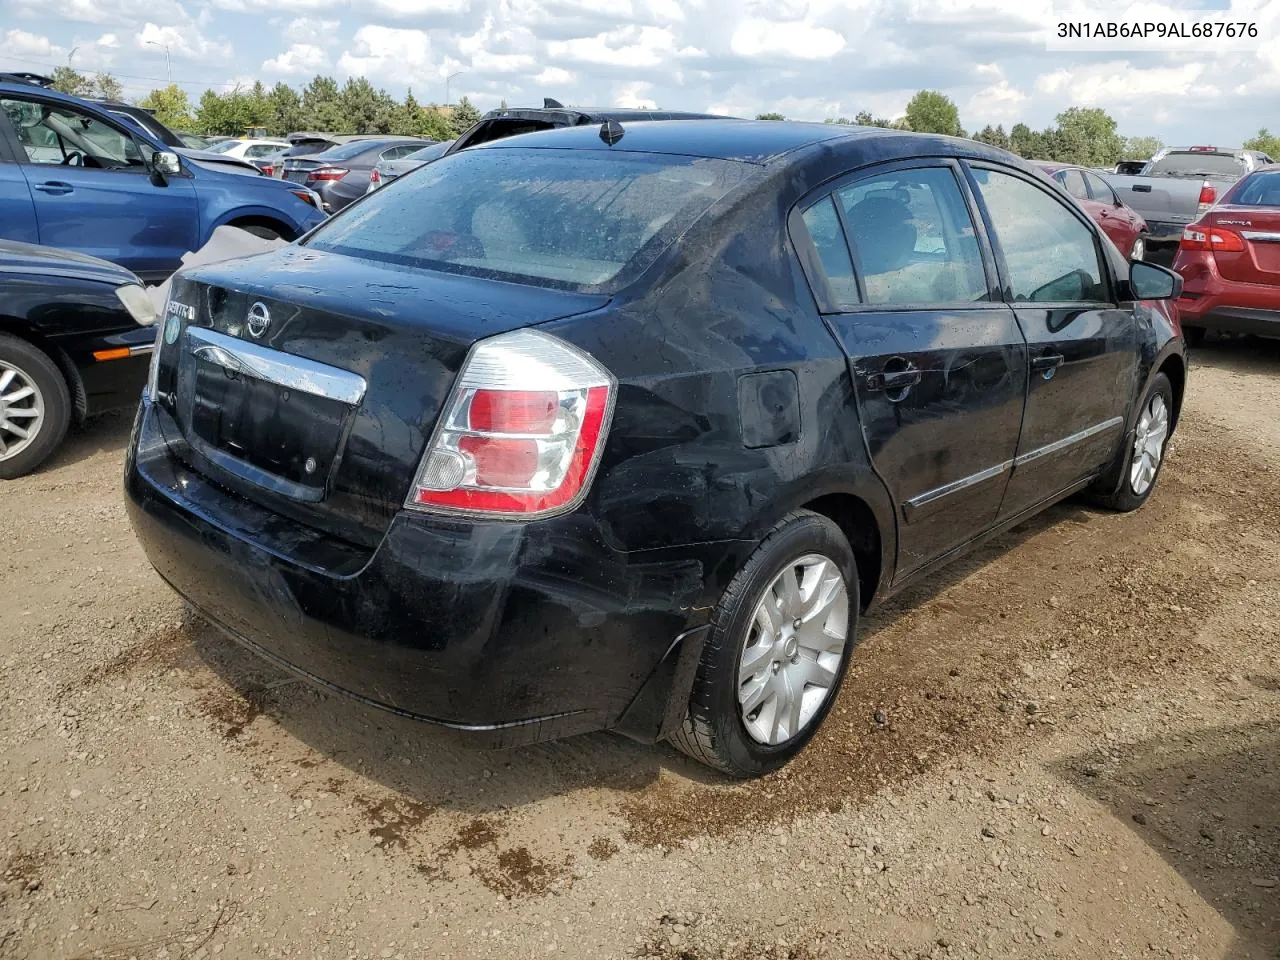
50	261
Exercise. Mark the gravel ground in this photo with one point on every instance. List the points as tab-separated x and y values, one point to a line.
1079	757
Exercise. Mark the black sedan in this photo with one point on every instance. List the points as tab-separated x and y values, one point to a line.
75	339
624	428
340	174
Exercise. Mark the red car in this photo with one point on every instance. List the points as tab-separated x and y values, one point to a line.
1230	262
1127	230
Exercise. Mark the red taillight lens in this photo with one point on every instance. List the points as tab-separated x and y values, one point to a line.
1208	197
1199	237
521	433
327	173
268	170
375	177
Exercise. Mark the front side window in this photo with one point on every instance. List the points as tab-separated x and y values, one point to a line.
567	218
1050	254
59	135
1074	182
914	239
1101	190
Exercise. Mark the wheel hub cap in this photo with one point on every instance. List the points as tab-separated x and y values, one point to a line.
1148	445
795	643
21	410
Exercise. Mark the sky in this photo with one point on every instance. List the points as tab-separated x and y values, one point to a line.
807	59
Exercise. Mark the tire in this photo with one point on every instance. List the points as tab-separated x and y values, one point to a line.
1193	335
1139	250
715	729
1129	494
31	382
266	233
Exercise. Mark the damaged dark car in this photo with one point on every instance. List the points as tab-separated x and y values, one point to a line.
624	428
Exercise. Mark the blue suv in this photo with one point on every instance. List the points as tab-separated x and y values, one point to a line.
73	175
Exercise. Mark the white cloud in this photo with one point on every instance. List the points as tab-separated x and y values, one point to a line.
389	52
300	60
554	77
792	40
634	47
414	8
184	42
1122	82
311	30
109	41
631	95
19	43
483	62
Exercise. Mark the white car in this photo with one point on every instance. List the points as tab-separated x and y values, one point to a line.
249	149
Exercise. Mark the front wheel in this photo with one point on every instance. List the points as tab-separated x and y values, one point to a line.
35	407
1146	451
777	652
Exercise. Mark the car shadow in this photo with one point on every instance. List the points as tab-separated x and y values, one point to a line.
1208	803
105	433
1237	354
429	766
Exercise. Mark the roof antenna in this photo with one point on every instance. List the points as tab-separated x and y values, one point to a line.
549	104
611	132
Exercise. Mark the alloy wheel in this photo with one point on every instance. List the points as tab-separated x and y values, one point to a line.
21	410
1148	444
795	643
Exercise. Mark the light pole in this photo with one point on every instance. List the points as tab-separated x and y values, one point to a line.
167	68
447	81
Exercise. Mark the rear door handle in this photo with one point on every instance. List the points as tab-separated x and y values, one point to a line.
1142	188
1046	362
55	187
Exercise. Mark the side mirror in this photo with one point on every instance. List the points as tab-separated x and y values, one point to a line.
1150	281
166	164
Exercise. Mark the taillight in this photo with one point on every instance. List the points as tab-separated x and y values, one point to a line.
375	177
327	173
521	433
1208	197
268	170
306	196
1199	237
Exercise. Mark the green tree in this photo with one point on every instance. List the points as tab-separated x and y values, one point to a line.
171	106
436	125
770	116
322	107
994	136
1140	148
932	112
107	87
67	80
1087	136
284	108
1264	141
463	117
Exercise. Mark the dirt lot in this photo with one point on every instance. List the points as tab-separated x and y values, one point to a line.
1081	758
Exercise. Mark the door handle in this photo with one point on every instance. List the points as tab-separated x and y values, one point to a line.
1142	188
1046	363
903	377
55	187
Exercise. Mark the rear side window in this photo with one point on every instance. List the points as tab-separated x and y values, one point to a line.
1258	190
1050	254
824	228
913	238
575	219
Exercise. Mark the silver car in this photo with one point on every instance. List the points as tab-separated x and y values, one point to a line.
387	170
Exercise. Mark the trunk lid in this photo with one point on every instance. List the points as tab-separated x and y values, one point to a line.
296	169
1259	227
310	382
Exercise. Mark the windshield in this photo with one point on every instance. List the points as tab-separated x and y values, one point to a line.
567	218
1192	164
1257	190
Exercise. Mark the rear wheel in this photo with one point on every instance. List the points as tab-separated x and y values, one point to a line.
35	407
777	651
1146	452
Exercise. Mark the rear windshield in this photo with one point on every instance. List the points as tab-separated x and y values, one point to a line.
1192	164
346	151
574	219
1258	190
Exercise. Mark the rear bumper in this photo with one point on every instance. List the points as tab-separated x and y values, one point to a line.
509	632
1213	303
